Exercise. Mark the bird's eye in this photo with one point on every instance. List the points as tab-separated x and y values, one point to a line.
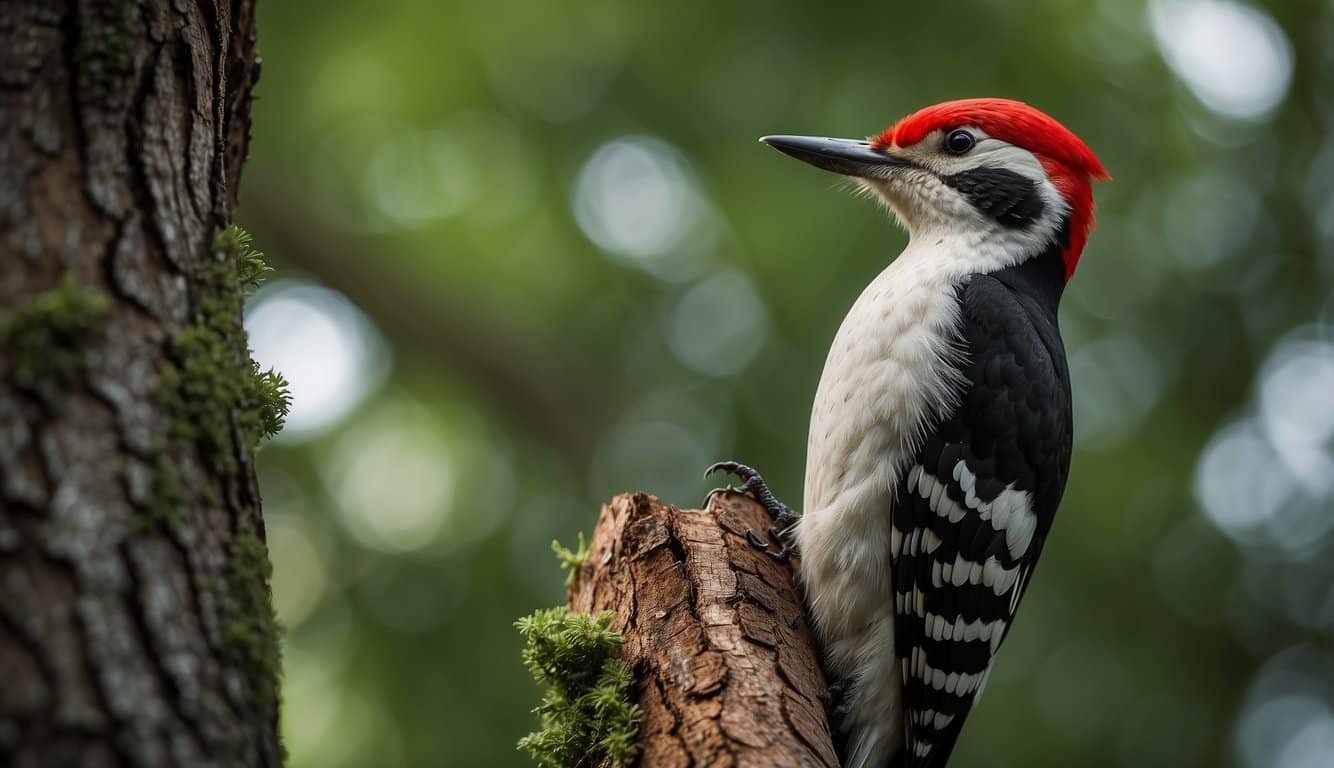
959	142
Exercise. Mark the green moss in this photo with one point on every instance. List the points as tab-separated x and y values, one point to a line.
272	401
571	562
224	395
221	406
251	268
252	628
168	500
221	402
587	718
46	335
225	392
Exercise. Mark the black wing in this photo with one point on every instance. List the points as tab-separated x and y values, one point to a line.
975	507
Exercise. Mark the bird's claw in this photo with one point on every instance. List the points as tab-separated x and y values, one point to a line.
782	555
730	467
776	534
755	540
708	498
754	486
743	489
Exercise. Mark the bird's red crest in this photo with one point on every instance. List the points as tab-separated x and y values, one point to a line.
1069	163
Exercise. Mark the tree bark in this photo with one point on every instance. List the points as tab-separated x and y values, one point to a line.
135	623
725	669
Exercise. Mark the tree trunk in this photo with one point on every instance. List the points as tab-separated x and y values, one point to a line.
725	670
135	621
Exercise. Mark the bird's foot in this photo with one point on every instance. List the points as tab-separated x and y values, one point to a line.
835	701
754	486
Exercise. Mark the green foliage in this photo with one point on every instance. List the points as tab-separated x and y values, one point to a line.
252	628
571	562
586	716
46	335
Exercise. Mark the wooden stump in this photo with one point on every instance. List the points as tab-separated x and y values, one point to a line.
726	673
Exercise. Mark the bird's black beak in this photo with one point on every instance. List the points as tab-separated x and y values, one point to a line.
850	157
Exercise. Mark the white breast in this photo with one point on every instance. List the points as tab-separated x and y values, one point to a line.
892	372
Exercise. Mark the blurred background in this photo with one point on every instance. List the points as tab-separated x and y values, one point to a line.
530	255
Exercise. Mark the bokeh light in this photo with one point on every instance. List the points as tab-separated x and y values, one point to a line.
569	199
1287	719
1233	57
636	200
393	477
327	349
1116	381
719	325
1296	407
300	578
1269	477
1239	481
418	178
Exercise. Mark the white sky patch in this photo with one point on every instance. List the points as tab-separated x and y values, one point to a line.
1233	57
325	347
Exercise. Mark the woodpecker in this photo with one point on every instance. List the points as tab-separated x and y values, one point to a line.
941	432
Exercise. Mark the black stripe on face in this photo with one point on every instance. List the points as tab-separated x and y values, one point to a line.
1009	197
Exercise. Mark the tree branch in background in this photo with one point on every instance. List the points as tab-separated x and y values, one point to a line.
526	385
714	630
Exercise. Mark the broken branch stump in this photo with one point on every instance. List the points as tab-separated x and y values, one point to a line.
726	673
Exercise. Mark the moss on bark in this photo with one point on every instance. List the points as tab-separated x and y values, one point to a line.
252	628
222	405
45	337
220	401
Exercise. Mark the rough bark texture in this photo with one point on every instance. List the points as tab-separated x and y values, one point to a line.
726	673
133	588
